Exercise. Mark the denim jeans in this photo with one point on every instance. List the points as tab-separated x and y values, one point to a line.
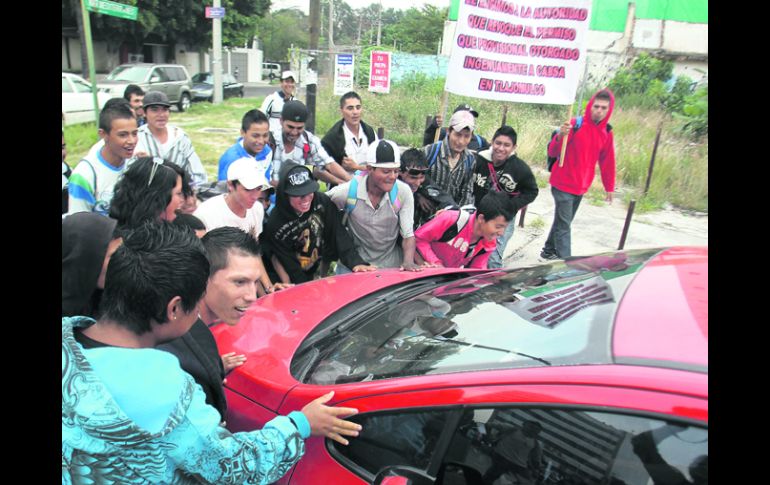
566	206
496	258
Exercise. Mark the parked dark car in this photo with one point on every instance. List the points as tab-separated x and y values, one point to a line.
203	86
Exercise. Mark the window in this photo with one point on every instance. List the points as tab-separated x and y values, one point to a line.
530	445
553	314
159	75
404	438
175	73
65	86
80	86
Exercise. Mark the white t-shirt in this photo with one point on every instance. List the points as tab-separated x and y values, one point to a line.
215	213
356	147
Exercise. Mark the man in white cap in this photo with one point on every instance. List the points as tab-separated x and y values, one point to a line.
477	142
450	163
238	207
378	209
273	104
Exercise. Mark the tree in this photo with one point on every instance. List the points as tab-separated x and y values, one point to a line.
417	31
280	29
173	21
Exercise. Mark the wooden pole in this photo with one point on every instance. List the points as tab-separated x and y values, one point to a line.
442	110
652	159
564	140
380	133
630	213
505	115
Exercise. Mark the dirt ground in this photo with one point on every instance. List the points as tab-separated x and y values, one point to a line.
599	229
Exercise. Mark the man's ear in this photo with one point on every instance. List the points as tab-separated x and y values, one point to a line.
102	133
174	308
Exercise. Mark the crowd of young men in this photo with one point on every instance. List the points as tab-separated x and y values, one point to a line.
451	203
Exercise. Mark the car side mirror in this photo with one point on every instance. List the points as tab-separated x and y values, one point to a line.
402	475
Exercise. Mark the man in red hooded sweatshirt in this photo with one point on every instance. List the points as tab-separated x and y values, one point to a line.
589	141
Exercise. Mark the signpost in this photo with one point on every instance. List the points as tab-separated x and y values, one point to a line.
343	73
113	8
215	12
379	72
107	8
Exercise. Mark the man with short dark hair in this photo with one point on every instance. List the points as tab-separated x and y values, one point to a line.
349	139
135	95
294	144
378	208
468	246
477	142
253	143
414	167
450	162
589	141
159	138
129	412
272	106
498	169
92	182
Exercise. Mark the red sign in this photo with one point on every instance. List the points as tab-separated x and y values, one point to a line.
379	72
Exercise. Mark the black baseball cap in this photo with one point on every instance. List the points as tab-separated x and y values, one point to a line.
294	111
299	181
467	107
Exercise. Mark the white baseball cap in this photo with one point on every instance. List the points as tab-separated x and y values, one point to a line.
247	172
288	74
384	154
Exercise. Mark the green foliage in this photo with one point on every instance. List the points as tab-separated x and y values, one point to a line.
419	31
173	21
637	78
280	29
695	113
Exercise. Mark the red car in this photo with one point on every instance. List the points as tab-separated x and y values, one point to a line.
587	371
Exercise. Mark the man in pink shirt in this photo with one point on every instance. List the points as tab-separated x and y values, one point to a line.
459	239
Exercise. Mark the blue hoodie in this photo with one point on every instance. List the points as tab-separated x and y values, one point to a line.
133	416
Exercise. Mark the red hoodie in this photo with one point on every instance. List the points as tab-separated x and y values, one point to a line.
589	144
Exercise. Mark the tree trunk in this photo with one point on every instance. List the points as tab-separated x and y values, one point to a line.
75	5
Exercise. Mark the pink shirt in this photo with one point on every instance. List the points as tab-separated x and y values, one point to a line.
453	253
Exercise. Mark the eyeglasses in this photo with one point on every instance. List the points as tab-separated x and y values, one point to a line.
156	162
416	172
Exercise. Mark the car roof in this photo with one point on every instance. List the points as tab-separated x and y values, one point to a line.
676	281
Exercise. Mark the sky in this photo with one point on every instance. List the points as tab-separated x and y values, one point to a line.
304	5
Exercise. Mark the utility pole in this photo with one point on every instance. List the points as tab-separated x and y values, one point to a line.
216	63
315	23
331	25
379	25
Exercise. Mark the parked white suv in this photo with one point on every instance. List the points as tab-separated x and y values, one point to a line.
271	70
171	79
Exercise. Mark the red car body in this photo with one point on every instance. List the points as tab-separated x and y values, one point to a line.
659	349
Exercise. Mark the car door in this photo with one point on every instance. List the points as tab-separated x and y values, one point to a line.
465	432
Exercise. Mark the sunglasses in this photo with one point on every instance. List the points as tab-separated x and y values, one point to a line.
415	171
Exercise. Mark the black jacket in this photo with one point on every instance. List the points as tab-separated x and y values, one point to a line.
198	355
301	242
334	140
514	178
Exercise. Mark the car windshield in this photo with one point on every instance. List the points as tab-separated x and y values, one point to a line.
203	77
134	74
554	314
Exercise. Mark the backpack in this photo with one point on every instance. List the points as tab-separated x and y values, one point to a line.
463	216
350	201
578	124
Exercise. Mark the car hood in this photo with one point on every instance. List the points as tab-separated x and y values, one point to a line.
273	328
202	86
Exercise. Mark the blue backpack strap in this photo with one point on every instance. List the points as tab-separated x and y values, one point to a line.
478	139
350	202
434	153
395	202
578	122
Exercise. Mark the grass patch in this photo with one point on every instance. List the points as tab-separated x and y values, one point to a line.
536	223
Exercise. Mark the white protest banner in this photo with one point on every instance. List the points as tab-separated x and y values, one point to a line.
343	73
528	52
379	72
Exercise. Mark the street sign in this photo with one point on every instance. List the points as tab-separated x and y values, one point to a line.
343	73
215	12
112	8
